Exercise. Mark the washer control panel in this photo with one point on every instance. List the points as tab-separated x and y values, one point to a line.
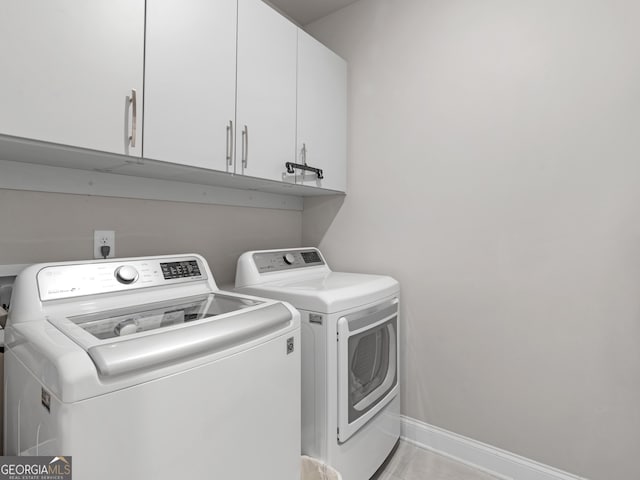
67	281
287	260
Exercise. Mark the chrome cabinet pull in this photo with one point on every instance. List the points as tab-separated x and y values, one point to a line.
230	143
134	117
304	154
245	146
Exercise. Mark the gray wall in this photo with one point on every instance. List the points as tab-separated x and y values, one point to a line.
494	171
42	227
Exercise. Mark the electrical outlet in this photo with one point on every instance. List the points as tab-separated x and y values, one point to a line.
104	238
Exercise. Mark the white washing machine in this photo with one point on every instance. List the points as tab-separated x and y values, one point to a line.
141	369
350	354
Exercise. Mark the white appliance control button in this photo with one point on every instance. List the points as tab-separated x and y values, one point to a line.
289	259
126	274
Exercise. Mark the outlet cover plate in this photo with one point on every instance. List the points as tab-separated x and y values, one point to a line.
104	237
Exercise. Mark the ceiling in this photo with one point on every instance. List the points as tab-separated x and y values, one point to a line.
306	11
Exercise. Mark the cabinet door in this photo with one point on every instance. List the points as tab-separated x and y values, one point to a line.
322	114
68	70
190	82
266	89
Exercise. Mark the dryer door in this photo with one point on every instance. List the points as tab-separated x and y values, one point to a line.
367	365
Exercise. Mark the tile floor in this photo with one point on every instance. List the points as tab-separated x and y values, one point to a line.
413	463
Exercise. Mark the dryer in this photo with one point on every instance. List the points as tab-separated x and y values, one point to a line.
350	354
142	369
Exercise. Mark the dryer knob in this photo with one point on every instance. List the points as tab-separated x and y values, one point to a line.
289	259
126	274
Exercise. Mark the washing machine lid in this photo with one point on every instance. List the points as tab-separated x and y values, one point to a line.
140	337
327	292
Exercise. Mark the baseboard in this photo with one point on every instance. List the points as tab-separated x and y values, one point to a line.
495	461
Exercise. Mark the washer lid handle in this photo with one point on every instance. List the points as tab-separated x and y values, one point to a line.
192	341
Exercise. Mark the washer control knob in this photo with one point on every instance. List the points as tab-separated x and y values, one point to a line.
126	274
289	259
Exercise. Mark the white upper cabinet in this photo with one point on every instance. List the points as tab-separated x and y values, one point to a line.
266	91
68	71
322	114
226	86
190	82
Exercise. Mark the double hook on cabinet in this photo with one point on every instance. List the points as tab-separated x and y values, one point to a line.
303	166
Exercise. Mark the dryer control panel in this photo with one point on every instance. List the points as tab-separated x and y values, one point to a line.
275	261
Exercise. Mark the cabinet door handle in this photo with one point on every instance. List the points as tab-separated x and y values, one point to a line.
134	117
245	146
230	143
304	154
